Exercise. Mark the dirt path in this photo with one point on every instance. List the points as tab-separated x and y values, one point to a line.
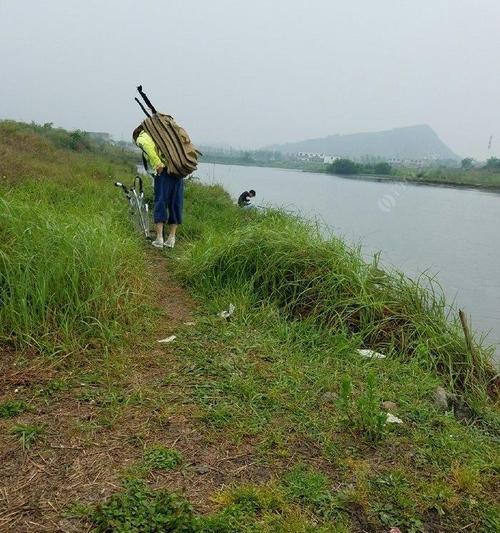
96	419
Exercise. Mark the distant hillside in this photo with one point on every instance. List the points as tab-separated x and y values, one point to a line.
413	142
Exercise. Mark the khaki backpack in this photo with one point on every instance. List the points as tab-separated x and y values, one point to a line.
171	140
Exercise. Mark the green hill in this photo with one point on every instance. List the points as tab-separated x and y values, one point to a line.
412	142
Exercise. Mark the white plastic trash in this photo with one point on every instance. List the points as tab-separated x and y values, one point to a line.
370	354
168	339
391	419
228	313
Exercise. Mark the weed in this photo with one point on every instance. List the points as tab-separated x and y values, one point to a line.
52	387
27	434
344	400
138	508
466	477
370	419
308	487
160	458
395	502
364	414
11	408
388	516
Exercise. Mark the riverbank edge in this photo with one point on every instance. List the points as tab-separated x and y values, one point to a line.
414	181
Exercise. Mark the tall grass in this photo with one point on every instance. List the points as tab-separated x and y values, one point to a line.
28	151
281	259
72	271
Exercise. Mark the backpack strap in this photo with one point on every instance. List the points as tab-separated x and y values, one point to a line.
144	162
146	99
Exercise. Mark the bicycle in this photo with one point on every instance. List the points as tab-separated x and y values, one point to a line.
139	208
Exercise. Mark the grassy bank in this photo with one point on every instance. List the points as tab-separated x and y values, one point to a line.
474	178
278	259
282	383
70	266
270	421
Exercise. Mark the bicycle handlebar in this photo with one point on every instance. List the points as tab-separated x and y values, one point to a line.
124	187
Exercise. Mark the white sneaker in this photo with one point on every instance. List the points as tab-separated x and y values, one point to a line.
158	244
170	242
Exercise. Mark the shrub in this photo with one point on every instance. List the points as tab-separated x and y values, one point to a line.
493	163
382	168
343	166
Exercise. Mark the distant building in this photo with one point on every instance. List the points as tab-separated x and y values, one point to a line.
412	163
315	157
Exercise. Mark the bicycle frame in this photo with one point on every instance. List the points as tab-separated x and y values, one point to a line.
138	207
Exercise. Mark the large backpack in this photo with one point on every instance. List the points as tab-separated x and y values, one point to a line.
171	140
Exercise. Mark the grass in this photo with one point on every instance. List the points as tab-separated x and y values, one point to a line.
303	308
269	421
12	408
480	178
247	509
281	384
27	434
138	508
30	151
158	457
71	269
279	259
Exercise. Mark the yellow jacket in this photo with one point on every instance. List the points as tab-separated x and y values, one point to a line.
147	145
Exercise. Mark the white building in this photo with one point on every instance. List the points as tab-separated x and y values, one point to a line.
311	156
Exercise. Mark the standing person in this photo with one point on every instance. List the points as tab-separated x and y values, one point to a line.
169	190
245	198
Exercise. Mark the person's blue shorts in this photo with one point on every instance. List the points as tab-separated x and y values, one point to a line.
169	198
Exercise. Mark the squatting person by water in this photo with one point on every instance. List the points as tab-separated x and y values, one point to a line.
245	198
168	190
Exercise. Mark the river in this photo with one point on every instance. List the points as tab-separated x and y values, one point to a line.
449	233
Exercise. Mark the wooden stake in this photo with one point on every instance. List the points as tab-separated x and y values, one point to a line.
467	333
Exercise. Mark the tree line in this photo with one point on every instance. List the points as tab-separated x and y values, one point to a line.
347	166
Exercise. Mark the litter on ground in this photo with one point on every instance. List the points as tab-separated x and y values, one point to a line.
228	313
168	339
370	354
391	419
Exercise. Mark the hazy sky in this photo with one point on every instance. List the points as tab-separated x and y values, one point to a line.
253	72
